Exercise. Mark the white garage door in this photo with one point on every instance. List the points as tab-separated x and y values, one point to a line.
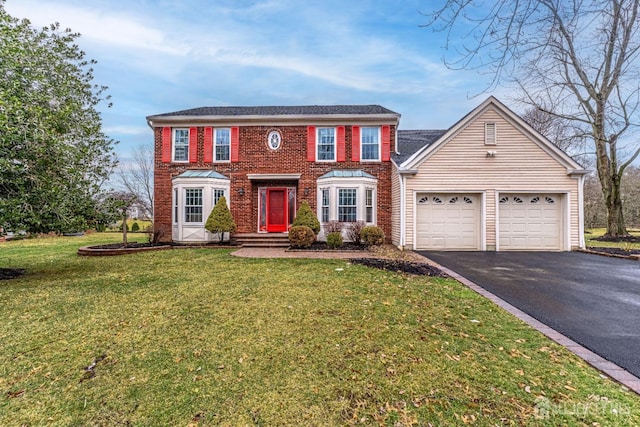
448	221
530	222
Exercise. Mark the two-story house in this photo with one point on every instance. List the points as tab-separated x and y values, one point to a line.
266	161
489	182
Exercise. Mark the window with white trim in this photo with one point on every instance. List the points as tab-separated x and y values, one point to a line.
222	145
193	205
325	205
326	145
490	134
347	205
347	199
368	205
217	194
180	145
370	143
175	206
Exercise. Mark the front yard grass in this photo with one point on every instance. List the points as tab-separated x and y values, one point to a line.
196	337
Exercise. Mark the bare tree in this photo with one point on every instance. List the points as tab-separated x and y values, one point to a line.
137	177
560	132
575	59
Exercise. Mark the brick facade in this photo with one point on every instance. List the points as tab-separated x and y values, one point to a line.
255	157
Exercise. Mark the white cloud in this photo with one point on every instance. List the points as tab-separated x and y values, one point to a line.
106	27
126	130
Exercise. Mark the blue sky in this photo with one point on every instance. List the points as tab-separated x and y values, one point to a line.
158	56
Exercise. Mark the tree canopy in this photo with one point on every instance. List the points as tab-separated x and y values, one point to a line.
578	60
54	156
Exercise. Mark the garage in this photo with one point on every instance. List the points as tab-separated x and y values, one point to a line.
530	222
448	221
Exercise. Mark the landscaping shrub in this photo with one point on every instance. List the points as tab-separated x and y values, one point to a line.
135	227
354	231
220	219
301	236
333	227
334	239
372	235
305	216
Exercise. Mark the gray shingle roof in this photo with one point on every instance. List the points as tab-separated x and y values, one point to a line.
411	141
282	110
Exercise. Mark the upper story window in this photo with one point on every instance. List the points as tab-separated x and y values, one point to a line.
222	145
326	145
180	145
370	143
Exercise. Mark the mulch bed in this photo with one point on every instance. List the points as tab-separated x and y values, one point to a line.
322	246
614	251
400	266
132	245
10	273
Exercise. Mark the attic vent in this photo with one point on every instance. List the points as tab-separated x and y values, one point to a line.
489	134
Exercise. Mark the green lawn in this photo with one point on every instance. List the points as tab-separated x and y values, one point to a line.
593	233
197	337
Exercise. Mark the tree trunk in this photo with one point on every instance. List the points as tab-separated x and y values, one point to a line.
124	229
615	218
608	175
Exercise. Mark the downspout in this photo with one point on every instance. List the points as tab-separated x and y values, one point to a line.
403	201
581	210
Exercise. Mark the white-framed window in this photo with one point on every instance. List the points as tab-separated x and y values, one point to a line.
347	199
193	205
370	144
175	205
368	205
325	205
347	204
326	145
490	134
217	194
180	145
222	145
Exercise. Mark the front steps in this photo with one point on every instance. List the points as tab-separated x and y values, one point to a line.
262	240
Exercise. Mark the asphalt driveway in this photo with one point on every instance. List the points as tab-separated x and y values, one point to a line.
592	299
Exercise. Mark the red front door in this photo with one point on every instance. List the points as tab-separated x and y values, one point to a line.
276	210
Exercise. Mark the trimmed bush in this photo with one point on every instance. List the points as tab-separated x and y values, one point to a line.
334	239
135	227
305	216
220	219
372	235
301	236
354	230
333	227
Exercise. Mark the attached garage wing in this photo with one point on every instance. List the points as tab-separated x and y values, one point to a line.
530	222
448	221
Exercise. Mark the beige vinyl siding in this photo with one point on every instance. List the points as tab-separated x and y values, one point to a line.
395	207
519	165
